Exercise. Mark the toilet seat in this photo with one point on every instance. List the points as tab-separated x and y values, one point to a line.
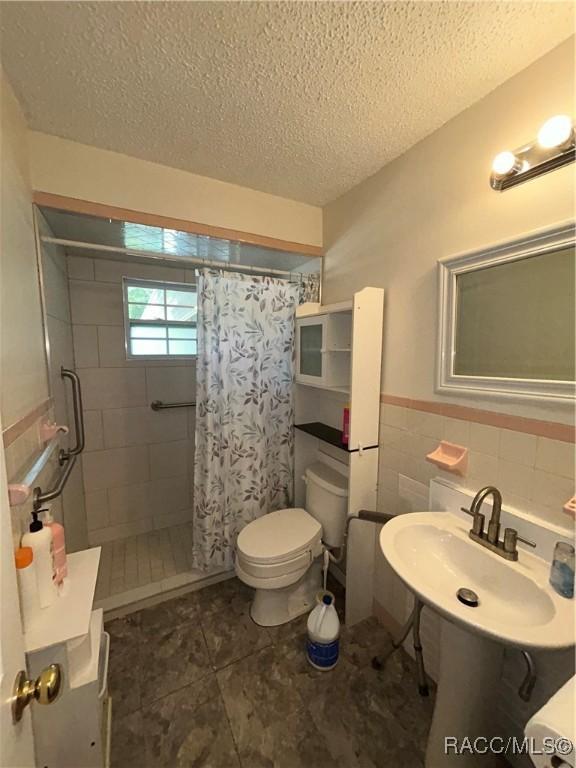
278	548
279	535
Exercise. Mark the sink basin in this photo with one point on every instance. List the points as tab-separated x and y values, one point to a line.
432	554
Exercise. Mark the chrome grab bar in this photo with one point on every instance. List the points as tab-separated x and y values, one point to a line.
40	498
66	457
158	405
78	415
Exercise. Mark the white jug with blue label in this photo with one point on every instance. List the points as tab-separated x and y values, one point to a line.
323	633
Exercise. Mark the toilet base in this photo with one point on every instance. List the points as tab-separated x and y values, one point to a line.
273	607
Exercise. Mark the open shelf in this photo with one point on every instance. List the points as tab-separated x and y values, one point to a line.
342	390
324	432
329	435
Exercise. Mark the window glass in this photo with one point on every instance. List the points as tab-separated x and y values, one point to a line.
182	348
160	319
181	333
148	347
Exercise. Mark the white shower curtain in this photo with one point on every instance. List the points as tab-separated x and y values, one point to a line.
243	464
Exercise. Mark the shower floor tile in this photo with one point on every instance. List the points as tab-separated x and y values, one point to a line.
218	690
143	566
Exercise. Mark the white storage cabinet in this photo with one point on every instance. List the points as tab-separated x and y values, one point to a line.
74	731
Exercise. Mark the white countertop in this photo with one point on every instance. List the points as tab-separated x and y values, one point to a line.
70	614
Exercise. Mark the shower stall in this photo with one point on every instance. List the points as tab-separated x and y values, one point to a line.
119	305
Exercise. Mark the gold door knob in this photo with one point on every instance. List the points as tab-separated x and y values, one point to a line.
45	689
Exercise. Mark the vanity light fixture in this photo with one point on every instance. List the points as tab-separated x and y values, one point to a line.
554	147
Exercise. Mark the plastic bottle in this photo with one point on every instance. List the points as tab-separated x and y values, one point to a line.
27	586
346	424
40	540
562	570
58	546
323	633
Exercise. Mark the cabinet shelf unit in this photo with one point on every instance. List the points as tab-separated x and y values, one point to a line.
323	346
339	349
339	353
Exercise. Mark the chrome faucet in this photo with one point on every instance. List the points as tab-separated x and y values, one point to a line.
491	539
494	524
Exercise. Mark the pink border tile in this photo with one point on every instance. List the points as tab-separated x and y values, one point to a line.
551	429
13	432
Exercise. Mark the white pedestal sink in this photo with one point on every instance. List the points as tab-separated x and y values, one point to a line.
433	555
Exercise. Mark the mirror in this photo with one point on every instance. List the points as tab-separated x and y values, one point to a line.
508	318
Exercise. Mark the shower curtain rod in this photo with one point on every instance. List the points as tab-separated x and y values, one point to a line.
182	262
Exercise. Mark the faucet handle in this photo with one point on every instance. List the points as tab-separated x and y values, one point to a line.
511	537
478	524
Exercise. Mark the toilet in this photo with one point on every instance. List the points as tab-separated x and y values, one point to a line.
279	554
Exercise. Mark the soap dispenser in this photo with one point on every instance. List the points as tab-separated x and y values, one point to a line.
58	546
39	538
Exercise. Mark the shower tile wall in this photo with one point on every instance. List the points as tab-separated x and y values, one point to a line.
138	463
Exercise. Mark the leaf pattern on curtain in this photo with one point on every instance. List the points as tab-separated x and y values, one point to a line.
309	287
243	461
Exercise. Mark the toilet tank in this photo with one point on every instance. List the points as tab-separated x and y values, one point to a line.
327	501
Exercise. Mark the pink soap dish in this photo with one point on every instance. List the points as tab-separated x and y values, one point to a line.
570	507
18	493
450	457
50	429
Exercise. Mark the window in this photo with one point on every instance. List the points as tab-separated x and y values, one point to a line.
160	319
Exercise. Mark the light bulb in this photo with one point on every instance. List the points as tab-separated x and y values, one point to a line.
504	163
555	132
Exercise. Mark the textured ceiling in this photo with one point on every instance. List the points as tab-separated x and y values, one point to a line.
299	99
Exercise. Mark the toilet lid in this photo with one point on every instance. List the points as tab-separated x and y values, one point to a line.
278	535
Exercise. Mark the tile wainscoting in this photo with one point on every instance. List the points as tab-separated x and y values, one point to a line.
138	464
534	473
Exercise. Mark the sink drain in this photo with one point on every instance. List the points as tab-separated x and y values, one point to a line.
468	597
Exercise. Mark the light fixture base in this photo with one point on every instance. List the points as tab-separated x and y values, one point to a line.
534	161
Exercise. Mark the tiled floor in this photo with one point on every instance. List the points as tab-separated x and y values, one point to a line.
196	683
138	567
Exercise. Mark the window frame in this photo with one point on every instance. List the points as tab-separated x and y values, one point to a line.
129	282
447	381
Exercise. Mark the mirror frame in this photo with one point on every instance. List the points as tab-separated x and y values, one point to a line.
449	268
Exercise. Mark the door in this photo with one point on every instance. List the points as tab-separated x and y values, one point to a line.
16	741
310	343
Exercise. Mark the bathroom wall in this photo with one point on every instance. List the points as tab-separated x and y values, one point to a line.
390	231
432	202
25	401
70	507
138	462
435	201
68	168
24	384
